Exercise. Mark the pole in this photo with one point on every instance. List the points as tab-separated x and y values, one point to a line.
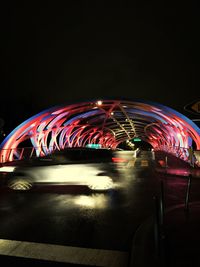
188	193
156	228
166	163
161	204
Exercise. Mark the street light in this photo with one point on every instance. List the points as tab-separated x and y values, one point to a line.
99	103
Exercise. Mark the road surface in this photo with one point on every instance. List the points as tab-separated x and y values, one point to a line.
74	217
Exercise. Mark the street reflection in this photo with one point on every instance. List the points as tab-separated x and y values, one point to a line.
94	201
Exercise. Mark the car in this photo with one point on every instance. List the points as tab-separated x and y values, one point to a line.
68	167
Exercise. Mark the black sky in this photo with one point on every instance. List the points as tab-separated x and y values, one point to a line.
84	50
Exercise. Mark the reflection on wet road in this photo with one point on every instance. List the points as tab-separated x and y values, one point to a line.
79	217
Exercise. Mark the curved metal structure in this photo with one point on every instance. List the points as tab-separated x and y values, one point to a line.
106	122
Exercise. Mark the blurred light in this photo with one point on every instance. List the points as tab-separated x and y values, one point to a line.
94	201
136	139
179	135
119	160
7	169
99	103
100	183
70	174
95	146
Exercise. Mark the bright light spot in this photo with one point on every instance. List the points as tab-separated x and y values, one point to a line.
7	169
99	103
95	201
112	113
118	160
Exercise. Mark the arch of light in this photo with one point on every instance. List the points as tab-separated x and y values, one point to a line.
107	123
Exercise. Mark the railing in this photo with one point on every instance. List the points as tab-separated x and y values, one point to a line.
187	195
183	153
159	222
197	156
18	153
159	235
24	153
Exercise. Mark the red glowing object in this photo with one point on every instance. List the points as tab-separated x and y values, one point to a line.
104	122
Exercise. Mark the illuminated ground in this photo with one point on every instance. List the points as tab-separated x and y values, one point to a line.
76	217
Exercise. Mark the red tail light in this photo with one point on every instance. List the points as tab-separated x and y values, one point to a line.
119	160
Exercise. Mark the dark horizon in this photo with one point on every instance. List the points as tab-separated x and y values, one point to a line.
83	51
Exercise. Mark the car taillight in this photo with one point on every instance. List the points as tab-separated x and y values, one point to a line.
118	160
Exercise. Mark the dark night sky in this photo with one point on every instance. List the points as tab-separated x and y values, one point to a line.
58	54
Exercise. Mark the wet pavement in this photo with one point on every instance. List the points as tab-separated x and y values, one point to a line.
175	242
24	262
74	216
119	219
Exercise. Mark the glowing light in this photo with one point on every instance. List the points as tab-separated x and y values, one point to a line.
136	139
7	169
99	103
119	160
179	135
97	201
79	124
95	146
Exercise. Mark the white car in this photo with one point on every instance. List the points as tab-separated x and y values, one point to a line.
60	169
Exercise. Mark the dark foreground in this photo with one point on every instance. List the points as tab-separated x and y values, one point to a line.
119	221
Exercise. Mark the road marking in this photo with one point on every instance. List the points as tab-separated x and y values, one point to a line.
144	163
67	254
